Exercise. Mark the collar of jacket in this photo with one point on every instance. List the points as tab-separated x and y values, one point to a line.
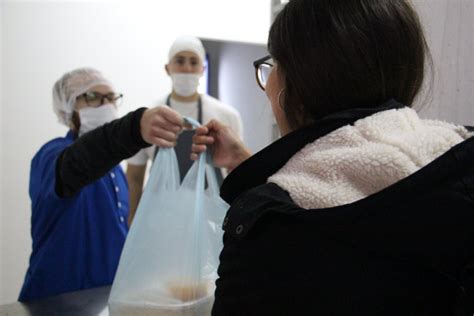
256	170
71	135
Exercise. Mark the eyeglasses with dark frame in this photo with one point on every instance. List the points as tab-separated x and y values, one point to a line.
263	67
96	99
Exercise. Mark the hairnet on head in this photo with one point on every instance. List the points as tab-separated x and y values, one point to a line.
187	43
71	85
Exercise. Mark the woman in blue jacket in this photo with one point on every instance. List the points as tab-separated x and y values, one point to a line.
79	193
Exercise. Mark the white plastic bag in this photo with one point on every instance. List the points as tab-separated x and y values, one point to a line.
170	258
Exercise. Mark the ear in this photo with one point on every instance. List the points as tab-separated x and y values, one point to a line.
167	70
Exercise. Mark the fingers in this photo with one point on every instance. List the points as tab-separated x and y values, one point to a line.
161	123
160	142
200	141
171	116
215	125
167	135
198	148
202	130
160	126
203	140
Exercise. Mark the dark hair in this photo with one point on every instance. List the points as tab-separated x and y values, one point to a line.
341	54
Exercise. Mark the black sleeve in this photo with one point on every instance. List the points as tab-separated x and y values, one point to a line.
469	128
93	154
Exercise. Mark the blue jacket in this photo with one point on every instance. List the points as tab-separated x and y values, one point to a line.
79	202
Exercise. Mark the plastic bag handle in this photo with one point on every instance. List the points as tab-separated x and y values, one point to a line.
205	159
164	171
195	124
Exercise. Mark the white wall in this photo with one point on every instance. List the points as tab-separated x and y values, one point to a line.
449	27
233	81
2	284
127	40
254	106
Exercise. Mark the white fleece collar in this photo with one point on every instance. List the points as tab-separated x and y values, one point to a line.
358	160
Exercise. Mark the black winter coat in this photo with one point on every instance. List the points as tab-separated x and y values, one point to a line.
406	250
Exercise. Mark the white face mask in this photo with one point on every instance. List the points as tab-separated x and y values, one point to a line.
92	118
185	85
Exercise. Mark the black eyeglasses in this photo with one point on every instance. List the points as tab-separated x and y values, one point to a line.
96	99
263	67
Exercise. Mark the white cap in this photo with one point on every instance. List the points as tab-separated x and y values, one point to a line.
187	43
71	85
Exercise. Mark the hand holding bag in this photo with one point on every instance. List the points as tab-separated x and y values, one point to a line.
170	258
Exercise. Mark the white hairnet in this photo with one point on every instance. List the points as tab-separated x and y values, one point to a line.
187	43
71	85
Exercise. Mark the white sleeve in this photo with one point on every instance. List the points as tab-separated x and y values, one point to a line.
139	159
238	126
235	122
223	113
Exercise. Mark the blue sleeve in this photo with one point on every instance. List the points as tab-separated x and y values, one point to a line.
46	205
43	172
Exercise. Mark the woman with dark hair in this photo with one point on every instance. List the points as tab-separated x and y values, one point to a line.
362	207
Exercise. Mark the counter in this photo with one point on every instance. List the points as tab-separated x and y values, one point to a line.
91	302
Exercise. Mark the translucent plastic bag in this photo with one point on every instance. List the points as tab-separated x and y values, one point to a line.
169	261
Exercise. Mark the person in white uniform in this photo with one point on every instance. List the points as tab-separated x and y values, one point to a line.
185	67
